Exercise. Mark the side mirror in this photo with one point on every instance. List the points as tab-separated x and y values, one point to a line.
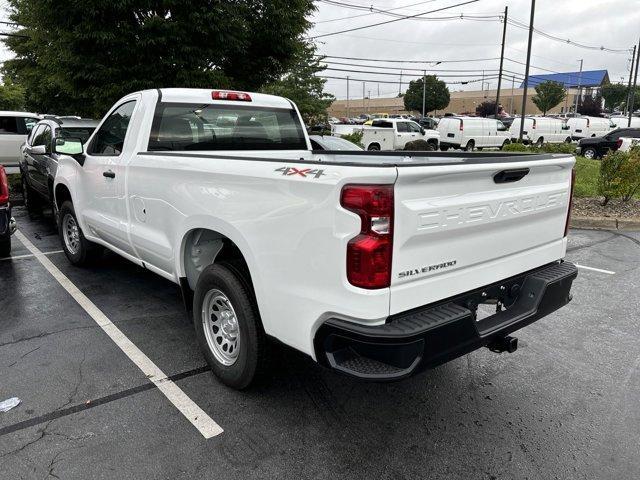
68	146
37	150
422	130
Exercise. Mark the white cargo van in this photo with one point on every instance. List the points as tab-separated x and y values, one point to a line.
472	132
623	122
14	128
585	127
395	133
539	130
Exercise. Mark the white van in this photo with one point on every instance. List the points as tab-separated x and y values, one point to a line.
472	132
395	133
623	122
14	128
539	130
586	127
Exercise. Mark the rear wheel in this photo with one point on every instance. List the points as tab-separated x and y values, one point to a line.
228	326
589	153
374	147
567	140
78	249
506	142
29	196
5	247
444	149
470	146
431	147
539	142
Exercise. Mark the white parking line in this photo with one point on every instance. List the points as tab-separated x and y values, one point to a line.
205	424
19	257
608	272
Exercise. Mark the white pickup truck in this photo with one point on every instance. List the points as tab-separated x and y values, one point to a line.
374	264
394	134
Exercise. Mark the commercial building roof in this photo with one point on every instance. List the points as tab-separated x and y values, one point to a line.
588	78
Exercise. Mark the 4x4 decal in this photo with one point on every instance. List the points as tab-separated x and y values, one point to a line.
303	172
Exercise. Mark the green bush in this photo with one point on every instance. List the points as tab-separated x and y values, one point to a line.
610	180
630	175
558	148
419	146
355	137
517	147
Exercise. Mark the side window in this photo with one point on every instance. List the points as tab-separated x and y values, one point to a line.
109	140
34	133
43	137
26	124
414	127
8	126
402	127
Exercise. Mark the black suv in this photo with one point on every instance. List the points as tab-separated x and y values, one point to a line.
597	147
38	162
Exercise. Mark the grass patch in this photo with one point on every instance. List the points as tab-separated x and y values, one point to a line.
587	172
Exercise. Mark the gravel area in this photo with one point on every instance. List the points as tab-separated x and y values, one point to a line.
591	207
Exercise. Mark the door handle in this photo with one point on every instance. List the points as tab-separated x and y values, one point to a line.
109	174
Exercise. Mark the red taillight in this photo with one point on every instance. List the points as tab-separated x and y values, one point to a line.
461	125
618	143
369	254
573	181
4	187
235	96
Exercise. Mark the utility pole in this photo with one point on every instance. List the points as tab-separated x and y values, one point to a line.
504	37
633	87
400	86
369	103
575	110
348	113
363	100
633	59
526	72
424	91
513	81
378	90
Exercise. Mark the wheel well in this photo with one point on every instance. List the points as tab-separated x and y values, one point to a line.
203	247
62	194
433	141
373	144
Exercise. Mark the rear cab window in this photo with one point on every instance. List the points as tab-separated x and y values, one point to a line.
201	127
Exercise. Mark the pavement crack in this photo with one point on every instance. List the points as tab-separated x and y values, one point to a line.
45	334
24	355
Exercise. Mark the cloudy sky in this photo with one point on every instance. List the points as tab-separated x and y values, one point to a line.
459	43
613	24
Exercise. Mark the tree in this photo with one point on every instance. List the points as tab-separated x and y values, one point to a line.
78	57
11	96
301	85
590	106
614	94
437	95
486	108
548	95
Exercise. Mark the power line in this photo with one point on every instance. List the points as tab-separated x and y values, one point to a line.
476	70
409	61
391	82
396	74
392	21
372	12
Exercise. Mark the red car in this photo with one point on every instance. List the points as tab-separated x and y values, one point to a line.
7	223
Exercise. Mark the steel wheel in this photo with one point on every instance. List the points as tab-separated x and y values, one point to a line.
589	153
71	234
221	327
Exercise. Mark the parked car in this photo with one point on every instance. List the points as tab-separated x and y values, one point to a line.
14	128
429	123
597	147
622	121
585	127
39	160
539	130
7	222
472	132
329	142
395	133
373	264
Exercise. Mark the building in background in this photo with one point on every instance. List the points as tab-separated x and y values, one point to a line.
589	81
461	102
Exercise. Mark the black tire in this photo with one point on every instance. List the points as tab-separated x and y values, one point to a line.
506	142
469	146
86	252
374	147
590	153
431	147
251	354
29	196
567	140
444	149
539	142
5	247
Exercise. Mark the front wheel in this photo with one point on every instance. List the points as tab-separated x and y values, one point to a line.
470	146
504	144
77	248
590	153
228	327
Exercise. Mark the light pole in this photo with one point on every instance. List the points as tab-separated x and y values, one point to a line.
504	36
633	87
575	109
424	91
348	113
526	73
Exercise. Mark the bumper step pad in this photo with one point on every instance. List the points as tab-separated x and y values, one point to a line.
432	335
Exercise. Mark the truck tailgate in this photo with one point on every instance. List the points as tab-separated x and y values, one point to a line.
462	226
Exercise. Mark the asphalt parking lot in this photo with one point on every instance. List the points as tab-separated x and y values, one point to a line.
565	405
